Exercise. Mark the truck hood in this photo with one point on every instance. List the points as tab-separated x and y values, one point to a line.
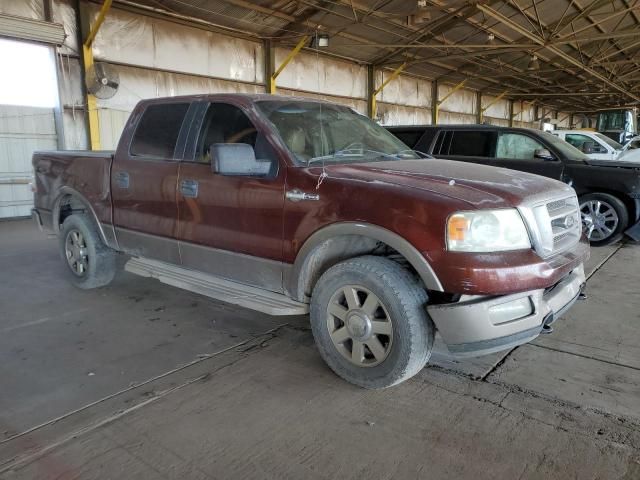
481	186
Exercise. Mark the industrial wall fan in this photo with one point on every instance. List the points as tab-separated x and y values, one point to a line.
102	80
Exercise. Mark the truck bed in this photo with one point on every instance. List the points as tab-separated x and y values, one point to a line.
57	173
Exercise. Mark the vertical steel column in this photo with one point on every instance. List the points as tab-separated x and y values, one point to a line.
373	106
272	79
87	61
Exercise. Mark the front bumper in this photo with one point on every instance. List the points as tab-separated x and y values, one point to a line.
472	326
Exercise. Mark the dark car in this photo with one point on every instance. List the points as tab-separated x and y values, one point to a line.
609	192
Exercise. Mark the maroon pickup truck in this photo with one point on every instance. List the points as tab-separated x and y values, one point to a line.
292	206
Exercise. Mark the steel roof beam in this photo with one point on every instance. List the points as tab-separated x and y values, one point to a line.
535	38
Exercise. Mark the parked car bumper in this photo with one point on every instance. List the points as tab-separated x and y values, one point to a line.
479	325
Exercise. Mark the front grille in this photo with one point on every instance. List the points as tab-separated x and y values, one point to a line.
566	228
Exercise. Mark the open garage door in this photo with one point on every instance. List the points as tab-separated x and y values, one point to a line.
22	131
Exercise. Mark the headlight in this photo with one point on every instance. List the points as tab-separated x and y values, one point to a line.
487	231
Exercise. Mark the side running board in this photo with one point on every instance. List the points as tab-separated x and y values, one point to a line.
225	290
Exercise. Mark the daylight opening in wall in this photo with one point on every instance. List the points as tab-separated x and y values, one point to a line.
28	75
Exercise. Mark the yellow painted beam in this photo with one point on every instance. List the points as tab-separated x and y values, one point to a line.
491	103
87	54
285	62
374	105
438	103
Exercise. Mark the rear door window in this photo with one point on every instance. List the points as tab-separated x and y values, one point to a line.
408	137
472	144
425	142
157	132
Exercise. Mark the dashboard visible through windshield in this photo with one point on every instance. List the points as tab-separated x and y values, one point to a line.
318	132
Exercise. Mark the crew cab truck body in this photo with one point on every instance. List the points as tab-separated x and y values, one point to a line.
289	206
609	190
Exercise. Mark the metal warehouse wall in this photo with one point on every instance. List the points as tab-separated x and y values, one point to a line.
157	57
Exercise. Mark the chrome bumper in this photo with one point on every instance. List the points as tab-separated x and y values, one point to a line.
471	327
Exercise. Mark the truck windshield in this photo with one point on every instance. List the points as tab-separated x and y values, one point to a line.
612	120
612	143
318	132
568	151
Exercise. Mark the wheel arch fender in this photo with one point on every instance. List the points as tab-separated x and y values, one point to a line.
80	200
337	242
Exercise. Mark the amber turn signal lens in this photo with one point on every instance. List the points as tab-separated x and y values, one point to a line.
458	227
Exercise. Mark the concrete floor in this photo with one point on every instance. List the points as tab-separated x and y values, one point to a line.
140	380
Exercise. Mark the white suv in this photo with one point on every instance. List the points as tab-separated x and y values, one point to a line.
595	145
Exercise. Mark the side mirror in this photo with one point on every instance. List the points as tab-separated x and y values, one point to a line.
237	159
543	154
589	147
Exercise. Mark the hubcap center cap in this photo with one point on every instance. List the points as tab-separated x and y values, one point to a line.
358	325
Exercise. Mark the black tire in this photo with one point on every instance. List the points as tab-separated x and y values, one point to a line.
402	299
98	261
600	237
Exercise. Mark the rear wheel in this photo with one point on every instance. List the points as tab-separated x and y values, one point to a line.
604	218
90	263
369	321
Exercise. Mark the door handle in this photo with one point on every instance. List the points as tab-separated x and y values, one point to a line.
189	188
122	179
298	195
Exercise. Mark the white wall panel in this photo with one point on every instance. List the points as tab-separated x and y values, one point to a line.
462	101
358	105
499	109
69	80
404	90
23	8
391	114
64	13
563	120
23	130
75	130
322	74
149	42
501	122
453	118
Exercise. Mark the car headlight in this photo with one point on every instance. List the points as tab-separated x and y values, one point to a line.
487	231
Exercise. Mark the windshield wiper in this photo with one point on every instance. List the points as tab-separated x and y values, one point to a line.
351	153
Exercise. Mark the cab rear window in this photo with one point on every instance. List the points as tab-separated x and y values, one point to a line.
157	132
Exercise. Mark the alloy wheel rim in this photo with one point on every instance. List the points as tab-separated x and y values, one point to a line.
599	219
76	252
359	326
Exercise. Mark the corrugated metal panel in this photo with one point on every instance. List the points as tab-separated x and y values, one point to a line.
461	101
28	29
22	131
24	8
150	42
452	118
317	73
357	104
392	114
405	90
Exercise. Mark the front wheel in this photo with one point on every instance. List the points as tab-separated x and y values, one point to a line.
369	322
604	218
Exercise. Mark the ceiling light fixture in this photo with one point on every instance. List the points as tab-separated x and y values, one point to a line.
491	39
321	40
534	64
